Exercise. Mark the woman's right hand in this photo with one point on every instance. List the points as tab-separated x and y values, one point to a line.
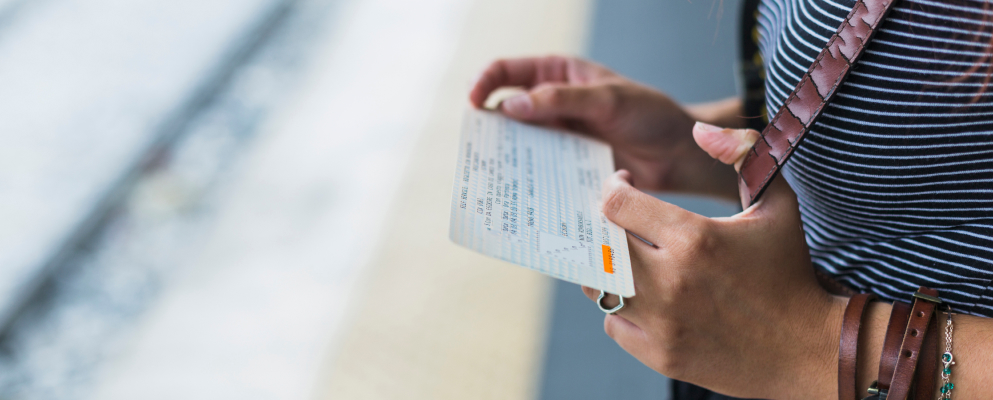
651	134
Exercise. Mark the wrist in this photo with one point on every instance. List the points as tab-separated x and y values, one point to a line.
820	369
815	375
813	370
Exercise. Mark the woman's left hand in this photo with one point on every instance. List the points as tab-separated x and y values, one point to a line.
731	304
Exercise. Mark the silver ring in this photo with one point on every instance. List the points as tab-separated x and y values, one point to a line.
599	303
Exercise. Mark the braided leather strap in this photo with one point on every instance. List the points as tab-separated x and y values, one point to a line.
786	130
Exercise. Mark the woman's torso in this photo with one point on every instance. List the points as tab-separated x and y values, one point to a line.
895	179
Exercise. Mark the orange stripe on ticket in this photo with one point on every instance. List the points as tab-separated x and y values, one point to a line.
608	263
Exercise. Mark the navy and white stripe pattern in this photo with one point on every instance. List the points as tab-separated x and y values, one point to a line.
895	179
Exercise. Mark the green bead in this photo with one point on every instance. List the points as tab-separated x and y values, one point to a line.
948	371
951	386
946	357
944	389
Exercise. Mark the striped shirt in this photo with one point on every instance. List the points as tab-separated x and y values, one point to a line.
895	179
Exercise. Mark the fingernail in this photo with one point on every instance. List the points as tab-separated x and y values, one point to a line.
520	105
707	127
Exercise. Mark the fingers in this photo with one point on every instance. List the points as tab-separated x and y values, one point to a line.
550	102
626	333
591	293
609	301
526	72
629	336
531	72
727	145
638	212
730	146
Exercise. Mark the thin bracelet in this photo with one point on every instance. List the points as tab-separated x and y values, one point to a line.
947	360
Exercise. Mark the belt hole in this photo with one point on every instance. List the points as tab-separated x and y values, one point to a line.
908	353
920	314
913	333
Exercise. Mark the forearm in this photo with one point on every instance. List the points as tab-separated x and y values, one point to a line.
724	113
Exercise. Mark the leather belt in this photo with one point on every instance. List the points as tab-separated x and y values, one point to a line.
848	348
891	345
926	376
789	126
921	314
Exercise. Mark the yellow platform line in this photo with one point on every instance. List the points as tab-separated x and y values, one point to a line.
432	320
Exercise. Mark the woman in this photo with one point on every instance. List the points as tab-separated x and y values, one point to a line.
891	189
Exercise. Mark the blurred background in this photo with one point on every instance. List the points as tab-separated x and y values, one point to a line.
219	199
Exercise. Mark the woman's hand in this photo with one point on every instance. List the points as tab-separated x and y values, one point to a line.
650	133
731	304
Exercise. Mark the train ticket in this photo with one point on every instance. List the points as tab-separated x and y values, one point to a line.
531	196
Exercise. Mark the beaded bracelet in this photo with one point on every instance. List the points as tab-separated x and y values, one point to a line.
947	360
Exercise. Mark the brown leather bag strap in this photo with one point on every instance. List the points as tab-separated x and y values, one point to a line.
921	313
848	349
818	86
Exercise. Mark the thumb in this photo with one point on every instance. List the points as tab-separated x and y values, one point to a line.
550	102
778	201
727	145
730	146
